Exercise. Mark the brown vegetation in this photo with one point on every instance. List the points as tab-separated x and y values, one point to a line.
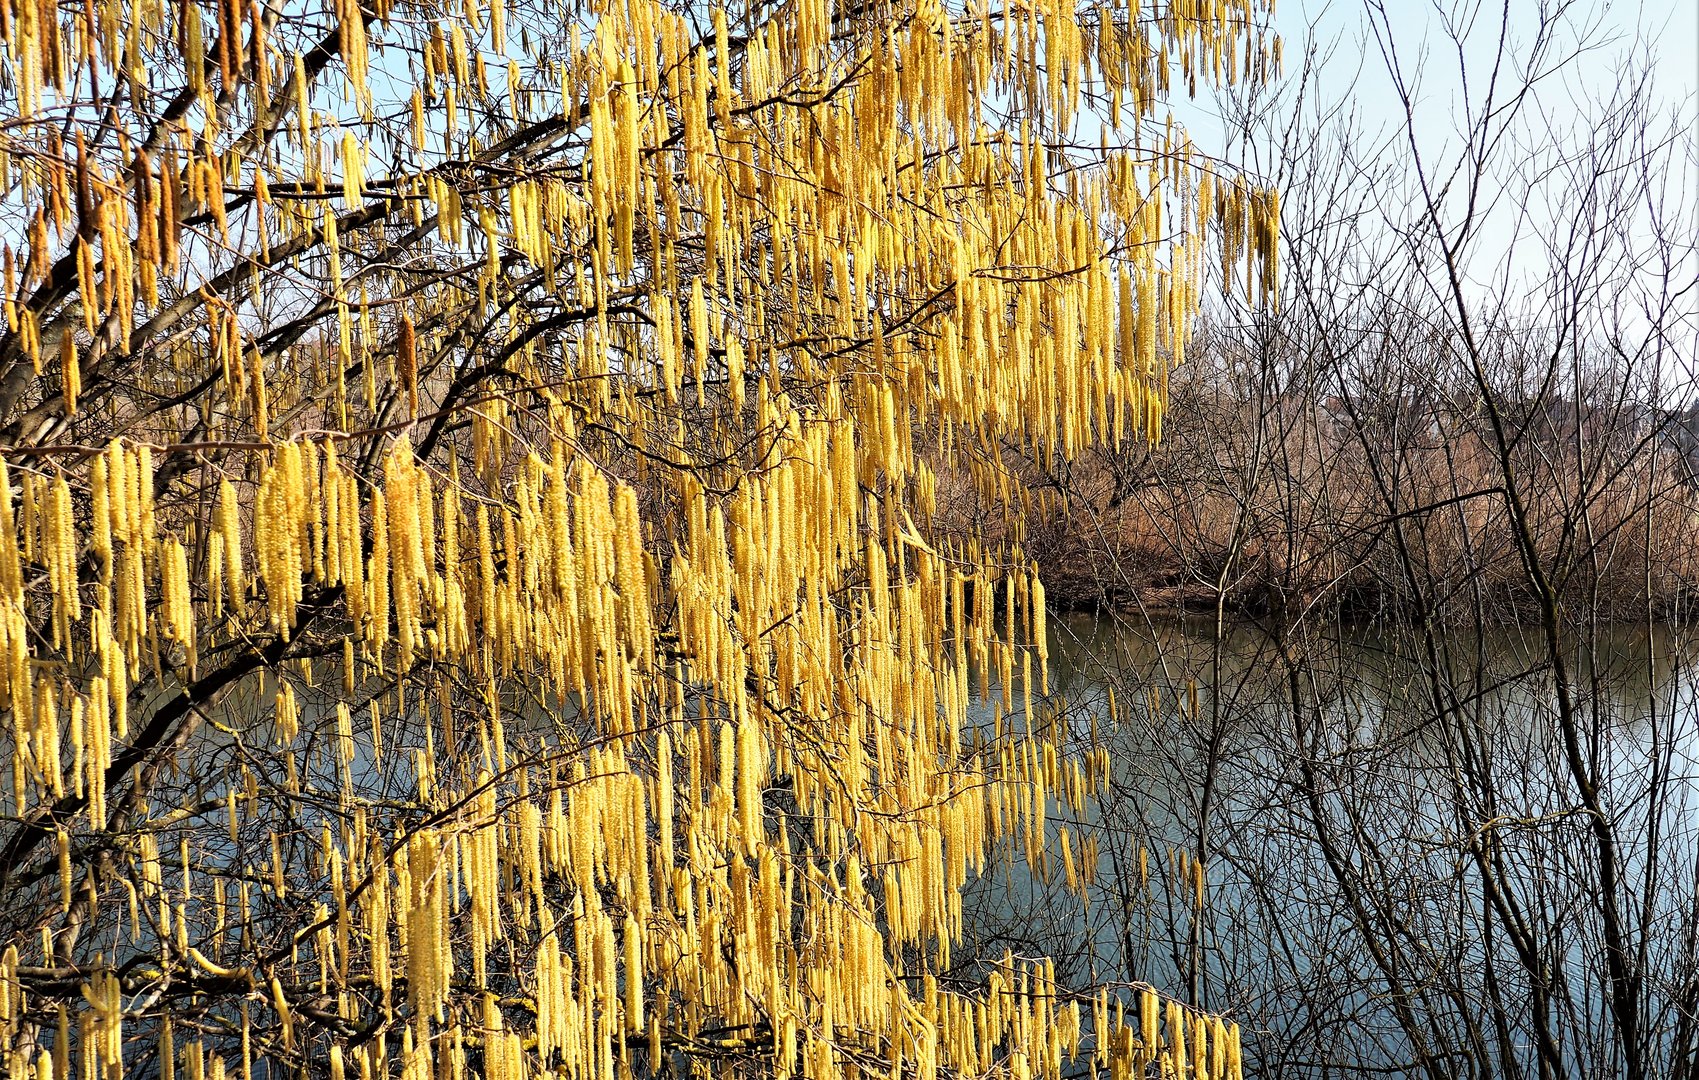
1282	502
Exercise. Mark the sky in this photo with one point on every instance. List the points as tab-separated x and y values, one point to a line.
1672	26
1354	71
1608	29
1596	37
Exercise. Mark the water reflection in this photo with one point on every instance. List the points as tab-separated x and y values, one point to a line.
1400	870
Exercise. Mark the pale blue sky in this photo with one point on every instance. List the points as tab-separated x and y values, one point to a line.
1355	72
1607	30
1508	257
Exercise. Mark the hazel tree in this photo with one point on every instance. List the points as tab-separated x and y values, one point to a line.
471	599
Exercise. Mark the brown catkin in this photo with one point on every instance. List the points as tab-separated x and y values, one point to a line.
407	364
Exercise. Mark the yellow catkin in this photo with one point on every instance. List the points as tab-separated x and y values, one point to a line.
229	529
70	371
747	299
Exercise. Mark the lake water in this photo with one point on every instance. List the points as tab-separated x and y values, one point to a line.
1401	874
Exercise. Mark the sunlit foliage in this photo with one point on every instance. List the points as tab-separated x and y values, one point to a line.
468	592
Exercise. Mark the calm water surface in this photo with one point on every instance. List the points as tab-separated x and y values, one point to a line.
1397	861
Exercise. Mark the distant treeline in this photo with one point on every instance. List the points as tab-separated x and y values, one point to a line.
1291	482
